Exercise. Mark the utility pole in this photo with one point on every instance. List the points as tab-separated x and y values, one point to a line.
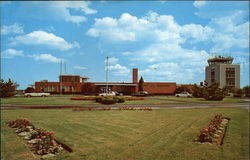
107	65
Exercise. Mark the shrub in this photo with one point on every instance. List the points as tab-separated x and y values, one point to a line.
99	98
246	91
213	92
238	92
108	100
120	99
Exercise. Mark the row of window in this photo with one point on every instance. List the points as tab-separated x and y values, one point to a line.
51	88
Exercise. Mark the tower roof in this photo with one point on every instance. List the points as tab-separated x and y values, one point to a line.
220	59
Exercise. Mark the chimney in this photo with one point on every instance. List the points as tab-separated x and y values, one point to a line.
135	75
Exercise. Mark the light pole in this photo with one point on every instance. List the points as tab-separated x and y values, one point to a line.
60	78
107	66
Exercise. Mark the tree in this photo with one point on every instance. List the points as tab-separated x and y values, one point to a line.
246	91
197	91
29	90
182	89
7	89
214	92
141	82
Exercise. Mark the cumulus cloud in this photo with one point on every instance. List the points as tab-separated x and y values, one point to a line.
152	28
12	29
60	10
45	57
10	53
79	67
45	39
119	70
158	40
199	4
230	32
115	68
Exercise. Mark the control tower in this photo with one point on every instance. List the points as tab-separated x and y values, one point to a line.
221	70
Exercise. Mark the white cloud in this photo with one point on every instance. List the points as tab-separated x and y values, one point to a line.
45	57
10	53
131	28
12	29
45	39
112	60
197	32
116	68
158	41
230	32
119	70
199	4
79	67
60	10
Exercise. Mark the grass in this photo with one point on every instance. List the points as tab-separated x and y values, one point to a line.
122	135
65	100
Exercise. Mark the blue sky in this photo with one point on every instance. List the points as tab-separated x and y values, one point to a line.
167	41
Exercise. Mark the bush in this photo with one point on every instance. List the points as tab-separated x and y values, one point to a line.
99	98
213	92
120	99
108	100
246	91
238	92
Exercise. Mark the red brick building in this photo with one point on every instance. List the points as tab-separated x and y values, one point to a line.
78	85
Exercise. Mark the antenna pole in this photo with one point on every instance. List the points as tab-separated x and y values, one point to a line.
65	71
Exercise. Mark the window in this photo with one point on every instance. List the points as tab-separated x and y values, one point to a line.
230	76
212	75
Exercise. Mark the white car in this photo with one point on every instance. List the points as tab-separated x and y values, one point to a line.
37	94
107	94
183	94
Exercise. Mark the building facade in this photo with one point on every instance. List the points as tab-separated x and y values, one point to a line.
69	84
221	70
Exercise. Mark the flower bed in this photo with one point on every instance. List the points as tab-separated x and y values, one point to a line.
214	133
41	141
83	98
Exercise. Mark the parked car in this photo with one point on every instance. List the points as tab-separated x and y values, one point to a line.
111	93
141	93
37	94
118	94
183	94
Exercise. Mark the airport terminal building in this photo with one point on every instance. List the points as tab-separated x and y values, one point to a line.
79	85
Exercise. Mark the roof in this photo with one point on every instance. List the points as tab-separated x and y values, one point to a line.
116	84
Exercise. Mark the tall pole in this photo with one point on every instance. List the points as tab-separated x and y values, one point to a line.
107	65
60	78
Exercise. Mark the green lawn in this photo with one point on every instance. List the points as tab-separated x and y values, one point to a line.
131	135
65	100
